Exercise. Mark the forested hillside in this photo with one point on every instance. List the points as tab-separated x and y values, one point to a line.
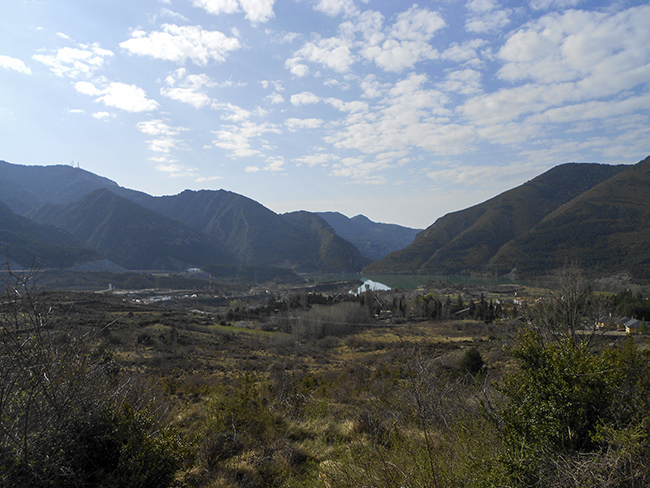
490	238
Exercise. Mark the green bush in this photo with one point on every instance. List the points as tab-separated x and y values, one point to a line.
565	404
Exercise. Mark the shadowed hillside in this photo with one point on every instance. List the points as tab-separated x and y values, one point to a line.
255	234
133	236
26	244
465	241
326	247
605	229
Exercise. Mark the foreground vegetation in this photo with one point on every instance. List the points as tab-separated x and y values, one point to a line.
436	388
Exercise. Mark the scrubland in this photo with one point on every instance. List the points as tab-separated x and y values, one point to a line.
312	390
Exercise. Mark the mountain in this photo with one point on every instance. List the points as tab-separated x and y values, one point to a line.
466	241
325	249
595	215
605	229
25	244
374	240
25	188
131	235
255	234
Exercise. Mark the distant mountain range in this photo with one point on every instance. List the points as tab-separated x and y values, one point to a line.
374	240
105	226
596	216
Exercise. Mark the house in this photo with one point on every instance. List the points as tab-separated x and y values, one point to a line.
633	326
620	323
606	323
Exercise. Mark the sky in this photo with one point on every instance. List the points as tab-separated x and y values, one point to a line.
396	110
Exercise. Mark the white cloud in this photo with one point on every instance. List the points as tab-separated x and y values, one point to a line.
559	4
129	98
351	107
180	43
164	136
234	113
317	159
336	7
205	179
489	22
360	171
256	10
465	81
237	139
496	175
294	124
101	115
275	164
87	88
393	48
14	64
333	52
157	127
406	42
252	169
482	6
190	89
304	98
217	7
174	170
608	52
409	116
565	60
275	98
296	67
75	62
169	168
372	88
465	52
165	12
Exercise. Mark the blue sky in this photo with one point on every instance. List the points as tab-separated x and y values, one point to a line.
400	111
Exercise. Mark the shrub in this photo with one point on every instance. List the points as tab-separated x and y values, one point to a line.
472	362
67	418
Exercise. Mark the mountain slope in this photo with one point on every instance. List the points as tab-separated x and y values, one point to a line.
374	240
465	241
326	249
26	244
255	234
605	229
133	236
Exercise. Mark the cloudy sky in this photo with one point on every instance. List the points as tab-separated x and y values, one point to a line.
400	111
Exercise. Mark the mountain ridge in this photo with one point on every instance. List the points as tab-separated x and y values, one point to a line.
463	242
589	213
131	235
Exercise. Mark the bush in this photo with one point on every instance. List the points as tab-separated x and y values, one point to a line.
67	418
571	413
472	362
